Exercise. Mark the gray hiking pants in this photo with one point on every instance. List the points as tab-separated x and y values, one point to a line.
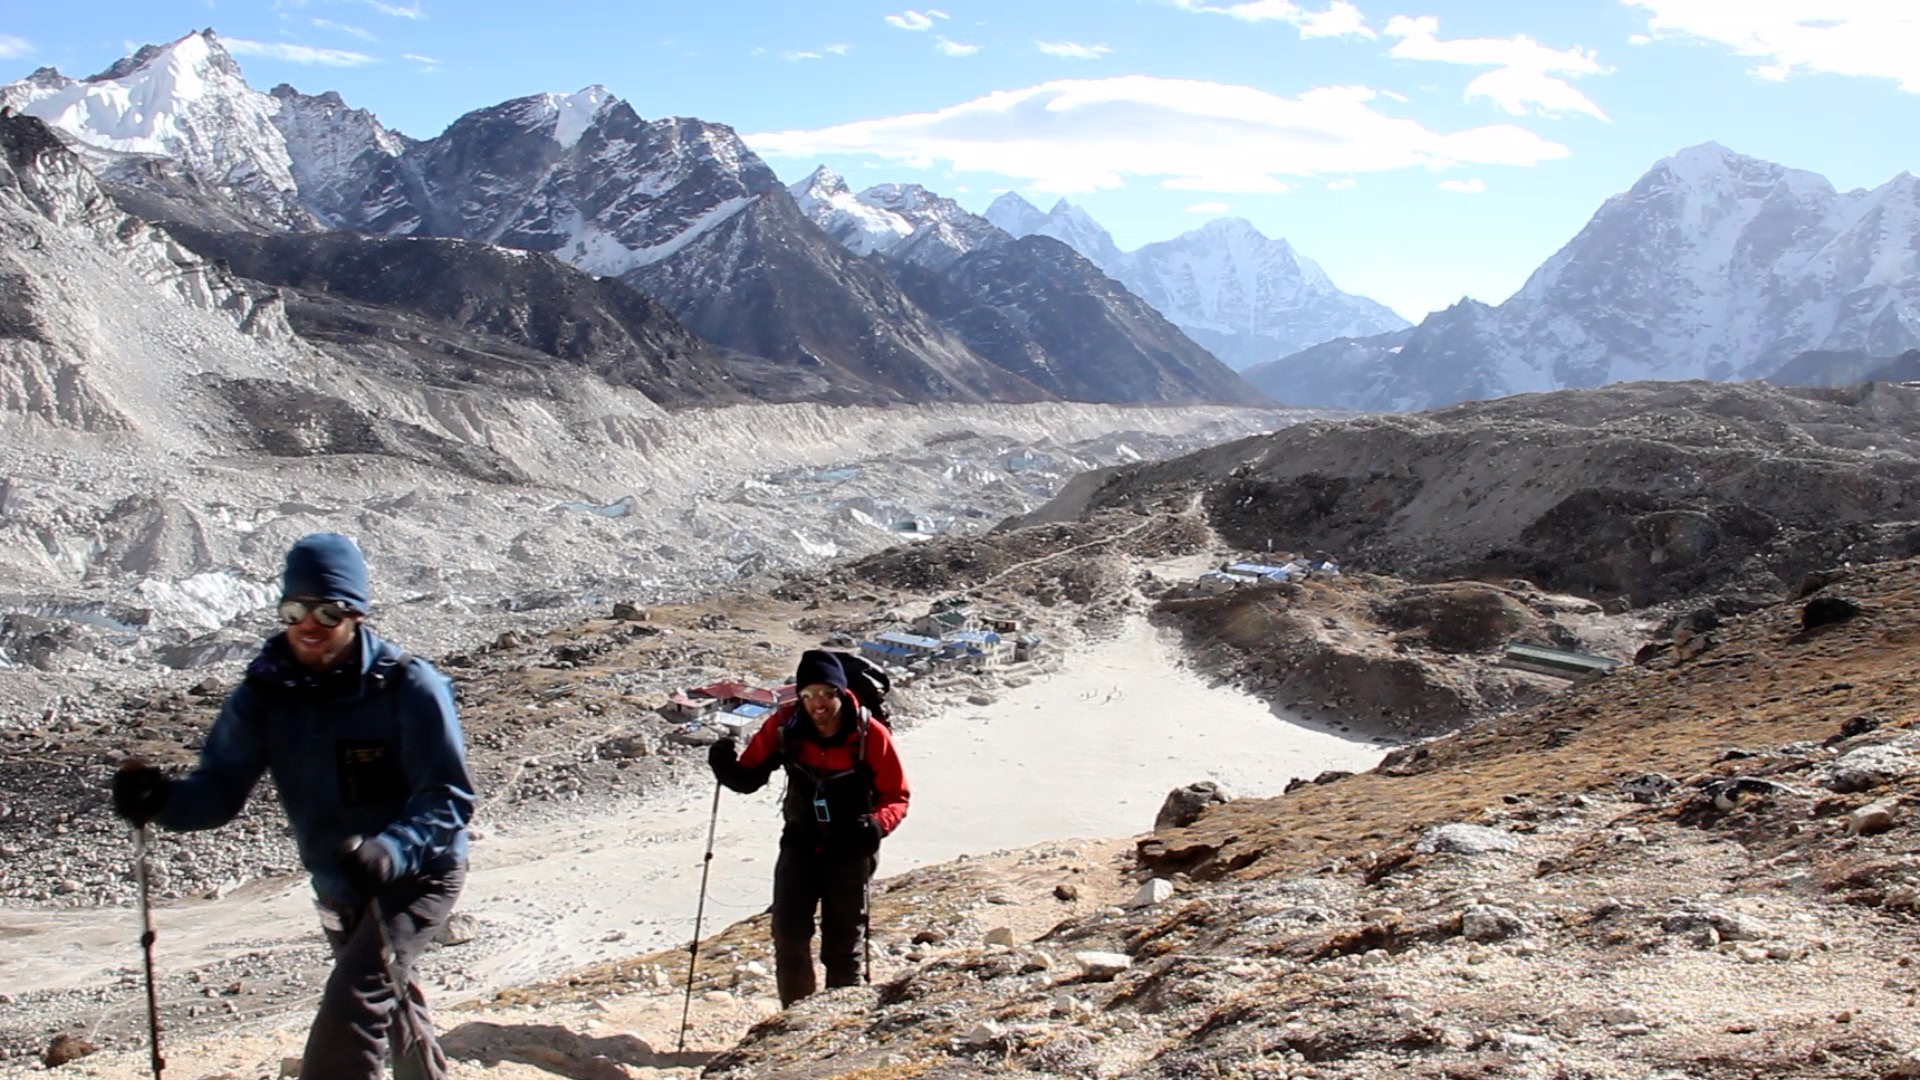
803	882
359	1010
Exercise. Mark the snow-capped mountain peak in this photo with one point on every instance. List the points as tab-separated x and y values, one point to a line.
571	114
1244	296
1074	227
905	220
186	100
822	184
1713	265
1012	212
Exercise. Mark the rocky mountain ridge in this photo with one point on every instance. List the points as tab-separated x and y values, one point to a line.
1637	493
1247	298
677	208
1713	265
487	424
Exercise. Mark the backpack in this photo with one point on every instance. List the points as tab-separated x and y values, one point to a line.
868	682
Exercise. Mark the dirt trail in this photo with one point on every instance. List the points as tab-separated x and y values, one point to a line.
1088	751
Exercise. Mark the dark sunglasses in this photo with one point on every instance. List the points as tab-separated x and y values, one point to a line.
324	612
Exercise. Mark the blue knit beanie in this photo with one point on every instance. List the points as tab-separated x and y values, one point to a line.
327	566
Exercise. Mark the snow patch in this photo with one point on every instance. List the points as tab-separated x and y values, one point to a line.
575	113
206	601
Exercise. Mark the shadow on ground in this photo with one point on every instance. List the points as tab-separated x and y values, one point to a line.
563	1052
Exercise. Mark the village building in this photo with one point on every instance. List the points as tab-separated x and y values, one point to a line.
944	616
1027	648
978	646
1547	660
1219	581
899	647
703	702
686	707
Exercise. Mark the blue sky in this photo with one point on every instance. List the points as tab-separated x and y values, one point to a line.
1419	150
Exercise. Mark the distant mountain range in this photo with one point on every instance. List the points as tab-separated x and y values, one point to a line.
678	209
1713	266
1248	298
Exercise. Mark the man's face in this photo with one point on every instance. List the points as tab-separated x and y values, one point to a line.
822	703
317	646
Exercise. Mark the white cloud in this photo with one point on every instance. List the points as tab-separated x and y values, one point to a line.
295	54
427	63
1076	135
1341	184
353	31
1474	186
1870	38
1340	19
411	11
1073	50
915	20
838	48
954	48
13	48
1523	76
1208	208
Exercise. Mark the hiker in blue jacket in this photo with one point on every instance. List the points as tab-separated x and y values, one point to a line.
366	750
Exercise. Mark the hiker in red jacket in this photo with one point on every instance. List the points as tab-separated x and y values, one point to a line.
845	792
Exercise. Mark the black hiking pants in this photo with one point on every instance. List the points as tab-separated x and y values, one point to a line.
361	1017
804	882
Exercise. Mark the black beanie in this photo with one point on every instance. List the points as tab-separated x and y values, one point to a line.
819	666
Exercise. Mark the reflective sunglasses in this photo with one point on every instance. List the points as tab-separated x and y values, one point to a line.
818	693
325	612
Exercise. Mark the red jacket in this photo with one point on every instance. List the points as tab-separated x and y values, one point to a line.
832	770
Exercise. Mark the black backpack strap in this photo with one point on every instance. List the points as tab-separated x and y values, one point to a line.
390	671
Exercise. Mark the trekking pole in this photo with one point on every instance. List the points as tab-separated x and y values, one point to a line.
866	926
699	912
141	836
402	998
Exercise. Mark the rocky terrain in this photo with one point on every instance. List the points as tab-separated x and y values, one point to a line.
1695	867
1632	495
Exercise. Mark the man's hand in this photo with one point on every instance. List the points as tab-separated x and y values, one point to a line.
365	863
722	755
139	792
867	836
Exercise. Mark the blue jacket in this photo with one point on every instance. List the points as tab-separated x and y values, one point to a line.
374	751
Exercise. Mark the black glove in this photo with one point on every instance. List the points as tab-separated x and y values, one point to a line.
723	756
139	793
365	863
866	836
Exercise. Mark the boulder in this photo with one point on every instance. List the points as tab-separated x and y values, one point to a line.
1463	839
1827	610
1184	805
1102	966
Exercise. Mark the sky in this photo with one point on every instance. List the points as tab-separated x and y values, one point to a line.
1418	150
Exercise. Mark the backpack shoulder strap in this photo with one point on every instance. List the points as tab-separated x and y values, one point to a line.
390	671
